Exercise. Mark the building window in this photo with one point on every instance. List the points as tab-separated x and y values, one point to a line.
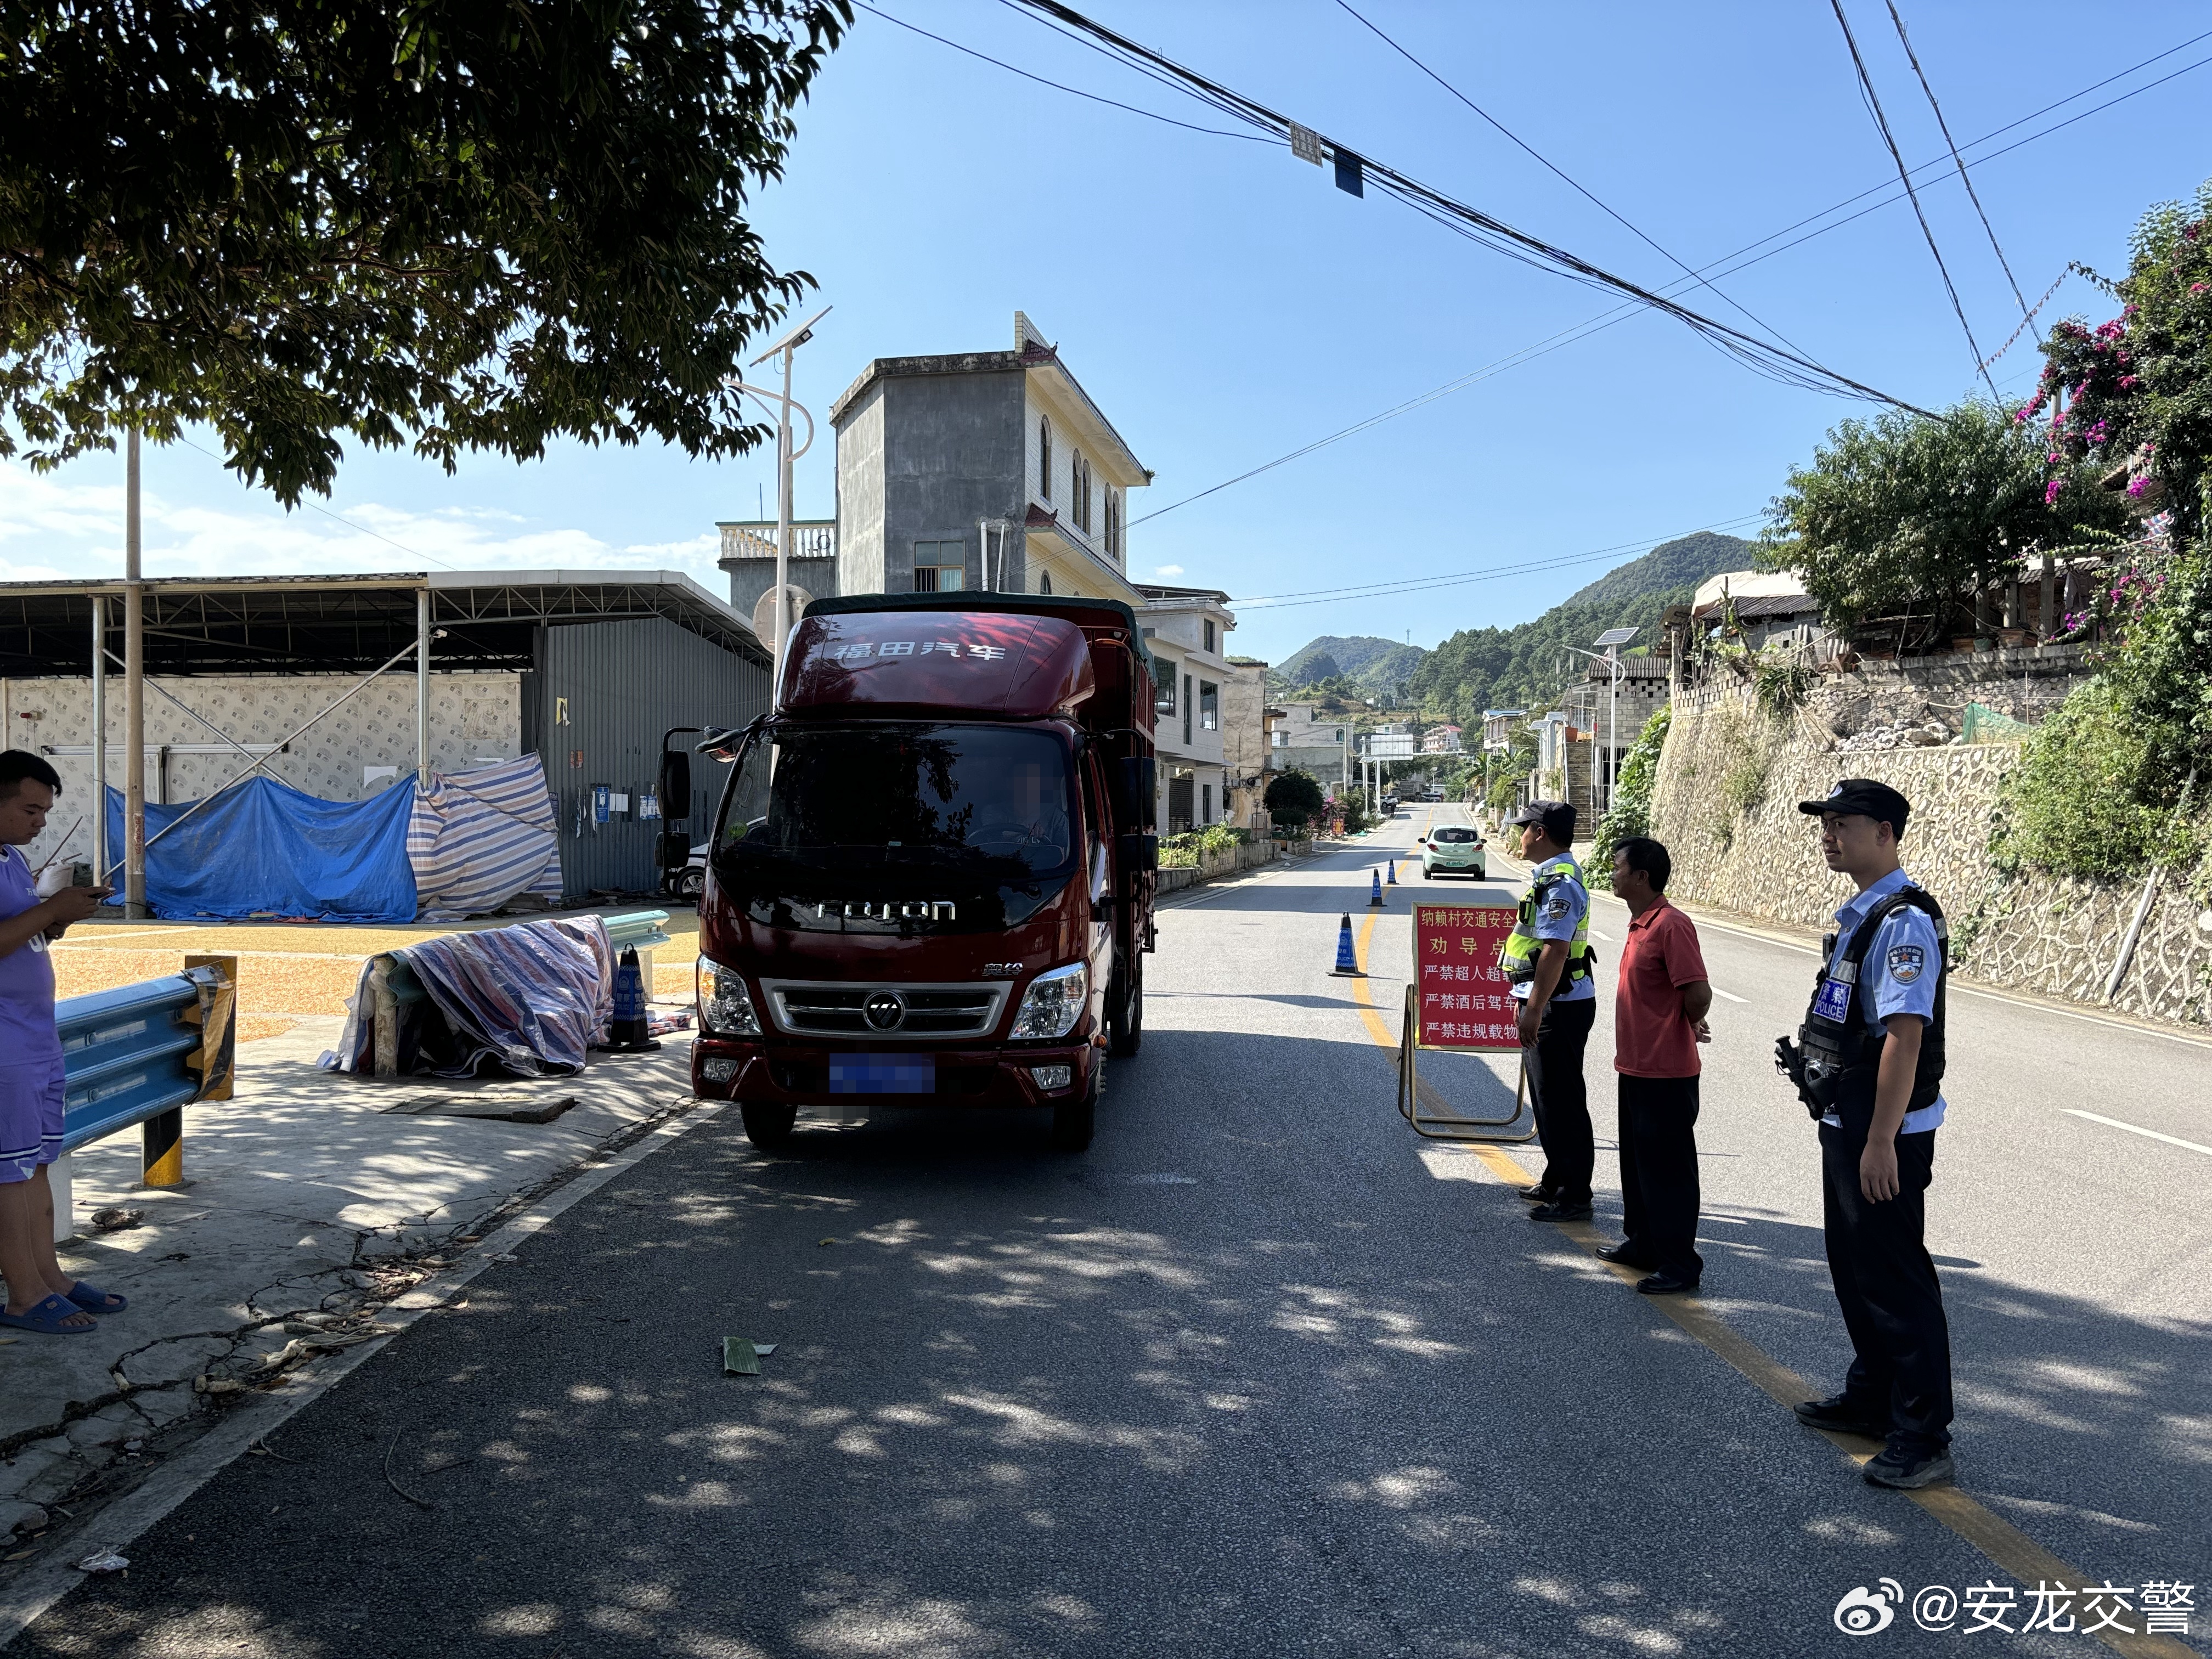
1186	711
1163	687
1205	803
1113	523
1079	488
1044	457
1209	706
1212	639
939	567
1044	582
1280	739
1339	734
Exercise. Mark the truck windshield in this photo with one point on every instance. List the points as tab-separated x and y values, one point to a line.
989	802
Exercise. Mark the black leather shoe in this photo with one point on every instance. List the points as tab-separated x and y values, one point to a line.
1560	1209
1909	1468
1843	1415
1624	1253
1538	1194
1666	1284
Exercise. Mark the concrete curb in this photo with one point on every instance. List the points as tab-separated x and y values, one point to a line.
174	1479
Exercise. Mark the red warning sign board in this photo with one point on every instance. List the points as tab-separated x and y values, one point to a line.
1466	1000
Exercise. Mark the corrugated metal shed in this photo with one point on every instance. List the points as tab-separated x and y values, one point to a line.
596	705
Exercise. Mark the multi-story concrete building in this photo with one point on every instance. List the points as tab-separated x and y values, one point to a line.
1611	714
976	469
1248	723
1441	740
1187	629
1306	740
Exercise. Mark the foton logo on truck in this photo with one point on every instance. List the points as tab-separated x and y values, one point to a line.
980	766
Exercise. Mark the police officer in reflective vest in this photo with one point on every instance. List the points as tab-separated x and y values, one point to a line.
1547	960
1868	1064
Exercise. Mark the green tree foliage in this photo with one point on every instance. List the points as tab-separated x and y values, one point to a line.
1297	794
1904	518
457	228
1629	814
2139	387
1683	562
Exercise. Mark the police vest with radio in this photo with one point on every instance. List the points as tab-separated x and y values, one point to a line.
1517	955
1835	1060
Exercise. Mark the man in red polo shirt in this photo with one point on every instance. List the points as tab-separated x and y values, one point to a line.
1659	1004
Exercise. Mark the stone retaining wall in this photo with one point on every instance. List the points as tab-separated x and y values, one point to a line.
1245	856
1725	804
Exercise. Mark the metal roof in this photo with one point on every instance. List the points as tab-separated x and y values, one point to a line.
347	624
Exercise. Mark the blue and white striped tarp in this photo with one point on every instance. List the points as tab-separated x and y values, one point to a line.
478	838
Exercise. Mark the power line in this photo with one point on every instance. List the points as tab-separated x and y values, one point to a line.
1605	319
1965	178
1485	229
1056	86
1463	578
410	552
1545	161
1905	173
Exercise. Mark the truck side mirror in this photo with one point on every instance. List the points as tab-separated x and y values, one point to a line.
1136	854
1136	784
675	786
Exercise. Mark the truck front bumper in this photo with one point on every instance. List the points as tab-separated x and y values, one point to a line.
797	1074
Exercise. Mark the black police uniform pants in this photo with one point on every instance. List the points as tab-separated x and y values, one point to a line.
1892	1305
1562	1099
1659	1197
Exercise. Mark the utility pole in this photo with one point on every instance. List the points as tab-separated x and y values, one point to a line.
134	697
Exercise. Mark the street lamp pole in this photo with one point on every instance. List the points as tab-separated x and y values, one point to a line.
785	456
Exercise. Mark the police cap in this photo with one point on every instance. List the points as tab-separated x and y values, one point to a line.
1557	819
1865	797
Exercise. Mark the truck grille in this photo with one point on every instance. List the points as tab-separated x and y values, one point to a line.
840	1009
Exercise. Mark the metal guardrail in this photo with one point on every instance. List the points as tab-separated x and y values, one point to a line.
141	1054
645	929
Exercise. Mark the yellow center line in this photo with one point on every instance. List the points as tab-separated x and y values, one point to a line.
1996	1538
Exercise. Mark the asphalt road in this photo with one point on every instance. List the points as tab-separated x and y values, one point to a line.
1260	1374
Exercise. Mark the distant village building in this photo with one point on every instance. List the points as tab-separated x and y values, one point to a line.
1441	740
1765	605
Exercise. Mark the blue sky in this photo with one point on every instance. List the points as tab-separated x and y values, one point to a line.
1224	304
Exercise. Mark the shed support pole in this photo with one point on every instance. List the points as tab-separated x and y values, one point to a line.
422	688
99	864
134	699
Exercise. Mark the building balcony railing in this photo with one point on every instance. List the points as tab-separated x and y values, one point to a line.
754	539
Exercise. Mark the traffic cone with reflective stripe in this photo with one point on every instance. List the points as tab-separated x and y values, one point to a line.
1392	866
1375	898
1346	963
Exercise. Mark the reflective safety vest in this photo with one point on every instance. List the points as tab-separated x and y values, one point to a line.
1517	955
1840	1039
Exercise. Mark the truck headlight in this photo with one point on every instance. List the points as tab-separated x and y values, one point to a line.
1053	1002
726	1007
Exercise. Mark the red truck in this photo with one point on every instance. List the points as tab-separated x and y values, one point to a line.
931	879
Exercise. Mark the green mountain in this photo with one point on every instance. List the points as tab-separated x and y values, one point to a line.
1682	563
1528	665
1366	661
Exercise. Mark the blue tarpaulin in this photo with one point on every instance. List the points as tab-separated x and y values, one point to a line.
263	848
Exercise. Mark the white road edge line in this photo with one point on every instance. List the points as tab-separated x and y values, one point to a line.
179	1477
1730	995
2137	1129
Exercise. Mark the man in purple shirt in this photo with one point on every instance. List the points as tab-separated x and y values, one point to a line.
40	1296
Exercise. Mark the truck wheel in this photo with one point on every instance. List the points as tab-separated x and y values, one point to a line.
1074	1121
769	1127
1125	1010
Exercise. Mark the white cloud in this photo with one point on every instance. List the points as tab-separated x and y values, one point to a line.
1167	570
53	529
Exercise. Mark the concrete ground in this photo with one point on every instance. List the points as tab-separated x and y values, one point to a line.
303	1196
1260	1374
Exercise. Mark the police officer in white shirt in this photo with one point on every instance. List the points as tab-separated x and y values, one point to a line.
1868	1062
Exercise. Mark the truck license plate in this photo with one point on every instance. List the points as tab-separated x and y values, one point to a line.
883	1075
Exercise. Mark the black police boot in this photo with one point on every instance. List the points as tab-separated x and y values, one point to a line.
1624	1253
1909	1465
1664	1283
1538	1194
1844	1415
1562	1209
